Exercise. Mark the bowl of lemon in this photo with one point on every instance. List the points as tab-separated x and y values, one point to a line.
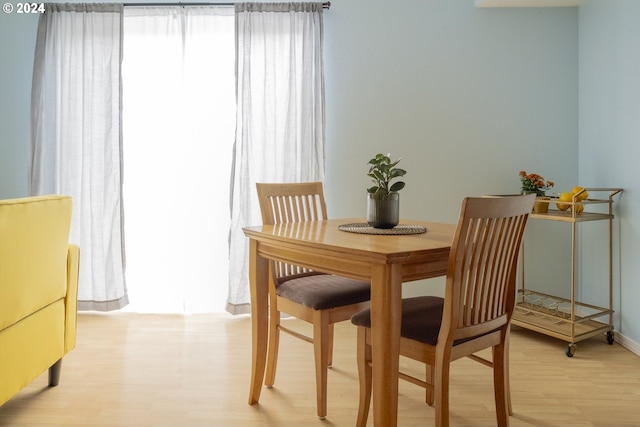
571	200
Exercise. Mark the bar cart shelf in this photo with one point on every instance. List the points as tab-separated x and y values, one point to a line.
566	318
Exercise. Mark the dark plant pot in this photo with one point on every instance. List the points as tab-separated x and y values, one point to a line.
383	213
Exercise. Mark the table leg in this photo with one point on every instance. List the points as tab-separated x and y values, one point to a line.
259	287
386	315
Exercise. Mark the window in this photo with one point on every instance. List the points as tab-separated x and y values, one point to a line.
178	133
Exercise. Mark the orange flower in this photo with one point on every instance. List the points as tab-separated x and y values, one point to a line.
534	183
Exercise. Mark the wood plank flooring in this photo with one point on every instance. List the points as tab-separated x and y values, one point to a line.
170	370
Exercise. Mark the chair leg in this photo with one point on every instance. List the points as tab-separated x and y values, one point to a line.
321	353
441	388
54	373
429	376
330	346
274	343
506	371
364	376
501	384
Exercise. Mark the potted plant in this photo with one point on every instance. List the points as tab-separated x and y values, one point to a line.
383	204
534	183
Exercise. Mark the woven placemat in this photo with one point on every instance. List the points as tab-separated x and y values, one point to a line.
364	228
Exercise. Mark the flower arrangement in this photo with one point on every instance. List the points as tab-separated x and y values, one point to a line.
534	183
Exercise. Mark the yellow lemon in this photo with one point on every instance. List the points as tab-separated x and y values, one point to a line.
564	197
579	207
582	195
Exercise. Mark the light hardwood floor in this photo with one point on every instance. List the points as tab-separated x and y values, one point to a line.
171	370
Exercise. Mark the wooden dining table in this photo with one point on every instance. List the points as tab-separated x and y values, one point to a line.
386	260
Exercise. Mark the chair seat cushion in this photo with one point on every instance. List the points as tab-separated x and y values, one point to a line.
421	318
324	291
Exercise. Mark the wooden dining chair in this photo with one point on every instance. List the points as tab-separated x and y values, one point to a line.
474	314
318	298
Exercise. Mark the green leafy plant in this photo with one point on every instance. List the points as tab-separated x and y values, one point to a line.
382	171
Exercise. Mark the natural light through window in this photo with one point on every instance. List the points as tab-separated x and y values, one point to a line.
178	133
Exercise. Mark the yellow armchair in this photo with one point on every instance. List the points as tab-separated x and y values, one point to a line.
38	290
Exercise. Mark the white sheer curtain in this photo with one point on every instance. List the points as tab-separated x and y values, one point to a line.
178	128
280	115
75	137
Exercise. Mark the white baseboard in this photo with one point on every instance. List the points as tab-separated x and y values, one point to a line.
627	343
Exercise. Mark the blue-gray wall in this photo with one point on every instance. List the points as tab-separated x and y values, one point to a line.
17	43
467	97
609	134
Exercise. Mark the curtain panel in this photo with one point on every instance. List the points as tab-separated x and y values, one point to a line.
279	116
76	138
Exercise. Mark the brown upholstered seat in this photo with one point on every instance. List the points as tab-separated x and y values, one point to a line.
421	318
324	291
474	314
320	299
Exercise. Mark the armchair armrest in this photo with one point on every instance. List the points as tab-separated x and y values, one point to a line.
71	298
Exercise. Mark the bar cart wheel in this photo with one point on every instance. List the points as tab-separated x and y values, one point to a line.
571	349
610	337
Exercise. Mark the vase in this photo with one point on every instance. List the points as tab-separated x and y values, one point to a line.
383	212
540	206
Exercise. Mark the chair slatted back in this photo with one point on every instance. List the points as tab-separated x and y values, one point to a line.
481	278
289	203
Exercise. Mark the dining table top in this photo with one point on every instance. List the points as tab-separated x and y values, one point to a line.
385	247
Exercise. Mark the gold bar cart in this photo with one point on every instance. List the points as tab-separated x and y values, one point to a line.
548	314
